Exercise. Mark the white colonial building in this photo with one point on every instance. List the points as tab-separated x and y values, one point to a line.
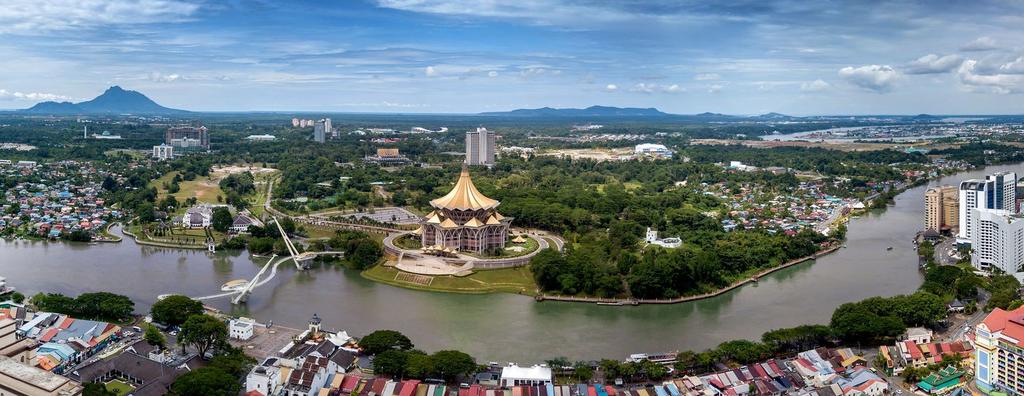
163	152
241	328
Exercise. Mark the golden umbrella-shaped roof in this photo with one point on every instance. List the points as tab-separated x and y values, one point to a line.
464	196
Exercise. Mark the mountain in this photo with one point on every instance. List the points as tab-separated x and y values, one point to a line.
592	111
115	100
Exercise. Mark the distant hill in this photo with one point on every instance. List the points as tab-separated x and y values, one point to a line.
115	100
592	111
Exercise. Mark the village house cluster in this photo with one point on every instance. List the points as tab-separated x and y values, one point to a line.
750	205
54	199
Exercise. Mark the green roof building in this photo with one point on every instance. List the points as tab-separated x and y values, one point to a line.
942	381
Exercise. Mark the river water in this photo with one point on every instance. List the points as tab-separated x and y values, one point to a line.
498	327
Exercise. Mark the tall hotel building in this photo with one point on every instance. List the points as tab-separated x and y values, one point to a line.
996	191
480	147
941	209
188	137
999	352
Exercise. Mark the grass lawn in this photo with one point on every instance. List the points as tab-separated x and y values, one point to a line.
257	200
408	242
528	247
119	387
203	188
509	280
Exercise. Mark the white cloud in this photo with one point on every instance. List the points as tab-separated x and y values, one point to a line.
611	87
430	71
878	78
933	64
814	86
492	73
715	88
533	72
165	78
998	83
656	88
541	12
707	77
983	43
1015	66
44	16
31	96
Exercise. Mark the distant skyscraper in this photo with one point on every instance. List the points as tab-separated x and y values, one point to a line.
295	122
321	130
480	147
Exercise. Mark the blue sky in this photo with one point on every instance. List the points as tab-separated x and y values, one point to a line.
459	56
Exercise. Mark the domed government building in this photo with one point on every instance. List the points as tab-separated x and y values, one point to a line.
464	220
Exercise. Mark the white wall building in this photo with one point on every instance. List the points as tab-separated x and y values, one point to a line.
997	191
265	378
241	328
163	152
199	216
652	150
480	147
668	243
997	240
261	138
513	375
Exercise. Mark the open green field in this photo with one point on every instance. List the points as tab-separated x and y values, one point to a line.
204	189
510	280
257	200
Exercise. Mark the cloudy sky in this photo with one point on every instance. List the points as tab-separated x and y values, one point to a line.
437	56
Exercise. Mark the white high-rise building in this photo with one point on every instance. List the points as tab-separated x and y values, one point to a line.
1005	193
973	194
480	147
997	240
997	191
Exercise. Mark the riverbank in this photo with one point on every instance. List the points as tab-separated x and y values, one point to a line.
716	293
516	280
159	244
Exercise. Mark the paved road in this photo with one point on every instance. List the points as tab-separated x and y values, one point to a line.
942	250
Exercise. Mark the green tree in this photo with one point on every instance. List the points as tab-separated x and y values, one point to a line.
233	361
449	364
206	381
221	219
175	310
582	372
169	202
384	340
96	389
419	364
391	362
204	332
154	337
